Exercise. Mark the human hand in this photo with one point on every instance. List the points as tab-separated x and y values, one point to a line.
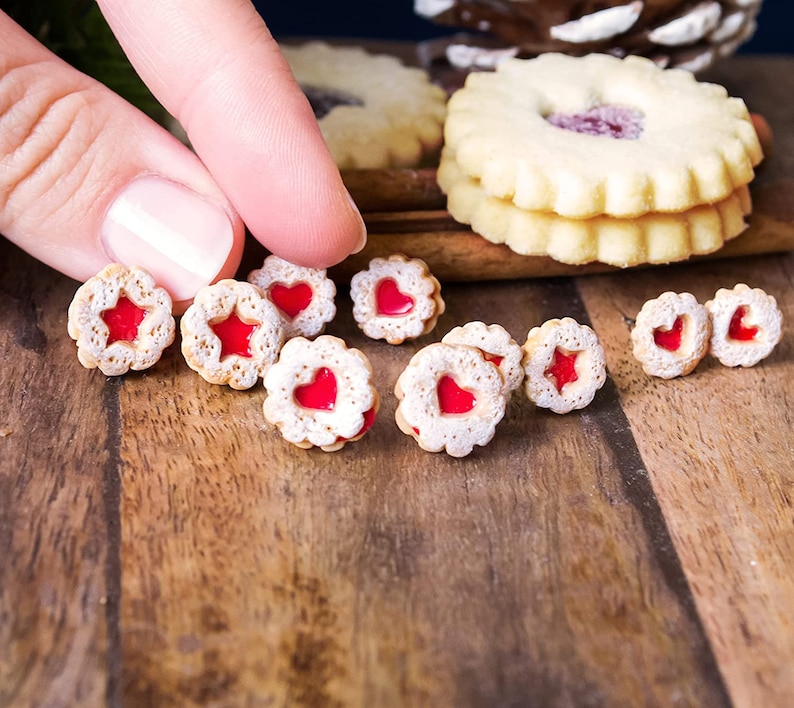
86	179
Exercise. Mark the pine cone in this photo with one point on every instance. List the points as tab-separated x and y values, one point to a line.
691	34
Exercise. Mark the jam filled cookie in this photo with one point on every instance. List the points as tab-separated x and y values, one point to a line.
304	297
373	111
121	320
650	238
320	393
671	335
496	345
396	298
564	365
598	135
746	325
231	334
450	398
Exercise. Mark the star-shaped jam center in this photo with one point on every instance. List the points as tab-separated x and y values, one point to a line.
563	368
123	320
235	336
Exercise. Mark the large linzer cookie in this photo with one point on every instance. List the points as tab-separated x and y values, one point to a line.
231	334
373	110
598	135
320	393
650	238
121	320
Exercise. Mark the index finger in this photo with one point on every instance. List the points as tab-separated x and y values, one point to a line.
215	66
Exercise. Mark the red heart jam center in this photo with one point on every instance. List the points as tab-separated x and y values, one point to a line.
390	300
619	122
291	300
235	336
737	329
320	394
563	369
670	339
123	320
452	399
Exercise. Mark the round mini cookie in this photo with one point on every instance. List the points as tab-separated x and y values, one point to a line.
121	320
564	365
373	110
396	298
496	345
450	398
746	325
304	297
671	335
231	334
584	136
649	238
320	393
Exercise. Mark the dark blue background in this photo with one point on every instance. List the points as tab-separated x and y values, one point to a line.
395	19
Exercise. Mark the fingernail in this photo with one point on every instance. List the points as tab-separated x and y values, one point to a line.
178	236
362	238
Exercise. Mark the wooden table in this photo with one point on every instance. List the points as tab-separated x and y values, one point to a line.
160	545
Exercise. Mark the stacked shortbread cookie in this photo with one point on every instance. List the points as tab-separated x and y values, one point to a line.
598	159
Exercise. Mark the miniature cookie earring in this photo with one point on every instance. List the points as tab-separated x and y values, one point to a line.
496	345
671	335
396	298
231	334
303	296
746	325
564	365
320	393
121	320
450	398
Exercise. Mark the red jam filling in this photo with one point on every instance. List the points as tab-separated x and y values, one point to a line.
320	394
617	122
495	359
452	399
670	339
123	320
390	300
737	329
291	300
369	421
563	369
235	336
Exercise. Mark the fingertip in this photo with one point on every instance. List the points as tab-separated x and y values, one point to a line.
316	233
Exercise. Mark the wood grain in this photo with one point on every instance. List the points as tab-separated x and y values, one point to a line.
161	545
723	470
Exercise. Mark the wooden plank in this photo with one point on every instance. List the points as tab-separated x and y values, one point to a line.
722	467
537	571
57	580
